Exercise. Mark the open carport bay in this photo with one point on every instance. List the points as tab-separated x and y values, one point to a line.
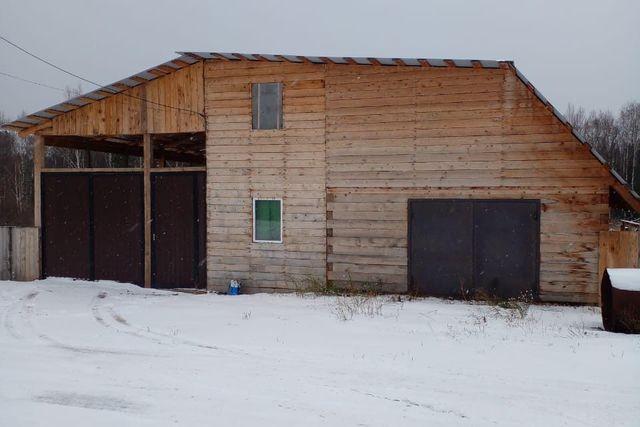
104	354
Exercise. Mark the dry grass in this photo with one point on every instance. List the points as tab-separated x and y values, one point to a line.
350	298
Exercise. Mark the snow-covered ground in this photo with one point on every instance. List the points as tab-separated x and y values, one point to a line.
106	354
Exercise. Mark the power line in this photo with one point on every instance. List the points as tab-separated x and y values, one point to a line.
90	81
52	87
31	81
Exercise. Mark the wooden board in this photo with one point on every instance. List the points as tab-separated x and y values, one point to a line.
25	253
618	249
19	253
5	253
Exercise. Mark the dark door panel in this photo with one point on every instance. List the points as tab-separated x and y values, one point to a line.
118	224
441	246
506	237
459	247
179	230
66	243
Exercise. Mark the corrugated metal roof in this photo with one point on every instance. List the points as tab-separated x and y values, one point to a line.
189	58
370	60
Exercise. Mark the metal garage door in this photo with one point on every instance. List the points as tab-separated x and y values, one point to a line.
179	230
457	247
66	242
118	231
93	226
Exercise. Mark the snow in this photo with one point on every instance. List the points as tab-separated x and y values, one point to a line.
104	354
626	279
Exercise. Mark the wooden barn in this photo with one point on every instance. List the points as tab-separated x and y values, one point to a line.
440	177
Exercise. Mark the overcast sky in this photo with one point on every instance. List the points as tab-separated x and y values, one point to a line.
575	51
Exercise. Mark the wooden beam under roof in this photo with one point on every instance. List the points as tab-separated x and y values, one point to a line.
126	147
623	192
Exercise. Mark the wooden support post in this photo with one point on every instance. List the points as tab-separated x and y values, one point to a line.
147	163
38	164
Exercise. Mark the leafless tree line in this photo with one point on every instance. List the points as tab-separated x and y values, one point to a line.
616	138
16	178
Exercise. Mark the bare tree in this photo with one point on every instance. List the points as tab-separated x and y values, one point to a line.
629	125
16	178
616	138
64	157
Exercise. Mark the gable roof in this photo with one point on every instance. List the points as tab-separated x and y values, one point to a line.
25	124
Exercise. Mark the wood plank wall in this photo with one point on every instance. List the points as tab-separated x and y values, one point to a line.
618	249
243	164
123	114
395	133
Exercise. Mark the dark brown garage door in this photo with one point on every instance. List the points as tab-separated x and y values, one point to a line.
66	244
118	231
179	229
93	226
457	247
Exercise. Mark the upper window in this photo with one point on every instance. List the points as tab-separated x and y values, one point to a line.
266	104
267	220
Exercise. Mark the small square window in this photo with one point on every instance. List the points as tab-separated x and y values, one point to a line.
266	105
267	220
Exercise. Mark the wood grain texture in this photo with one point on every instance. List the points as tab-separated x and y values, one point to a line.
175	102
243	164
19	253
25	253
618	249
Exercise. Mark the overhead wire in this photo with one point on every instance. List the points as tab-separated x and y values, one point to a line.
103	87
30	81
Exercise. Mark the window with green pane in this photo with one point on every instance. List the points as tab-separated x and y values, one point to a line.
267	220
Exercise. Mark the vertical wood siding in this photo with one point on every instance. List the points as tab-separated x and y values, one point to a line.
243	164
123	114
19	253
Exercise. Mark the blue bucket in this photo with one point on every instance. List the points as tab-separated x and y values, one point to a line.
234	288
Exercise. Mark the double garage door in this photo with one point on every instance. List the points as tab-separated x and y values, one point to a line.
461	247
93	227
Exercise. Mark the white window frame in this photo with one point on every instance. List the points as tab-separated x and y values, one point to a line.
253	212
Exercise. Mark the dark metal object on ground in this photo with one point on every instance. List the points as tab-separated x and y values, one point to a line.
620	307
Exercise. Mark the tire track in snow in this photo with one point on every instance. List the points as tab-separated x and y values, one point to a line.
23	311
13	312
411	403
97	315
121	324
